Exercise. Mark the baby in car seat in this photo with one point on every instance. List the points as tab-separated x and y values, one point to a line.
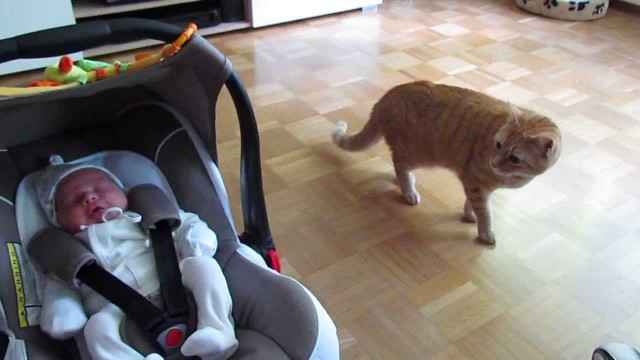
90	202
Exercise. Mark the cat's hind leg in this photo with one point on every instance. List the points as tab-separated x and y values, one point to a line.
407	182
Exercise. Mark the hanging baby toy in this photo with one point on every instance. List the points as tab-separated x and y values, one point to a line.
65	74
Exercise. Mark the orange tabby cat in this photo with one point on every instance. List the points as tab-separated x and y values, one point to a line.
489	143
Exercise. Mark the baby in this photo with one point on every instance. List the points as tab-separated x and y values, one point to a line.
90	202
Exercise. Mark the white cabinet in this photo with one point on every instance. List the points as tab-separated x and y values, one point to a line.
95	9
270	12
24	16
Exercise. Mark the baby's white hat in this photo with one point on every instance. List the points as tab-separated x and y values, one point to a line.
48	181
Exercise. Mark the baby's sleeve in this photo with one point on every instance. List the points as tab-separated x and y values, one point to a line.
194	237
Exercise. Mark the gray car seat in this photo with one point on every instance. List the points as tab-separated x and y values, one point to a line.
164	114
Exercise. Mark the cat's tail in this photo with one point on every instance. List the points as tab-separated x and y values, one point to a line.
365	139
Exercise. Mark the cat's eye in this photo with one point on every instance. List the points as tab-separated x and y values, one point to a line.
498	145
514	159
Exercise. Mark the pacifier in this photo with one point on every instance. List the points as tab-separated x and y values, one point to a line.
111	213
115	212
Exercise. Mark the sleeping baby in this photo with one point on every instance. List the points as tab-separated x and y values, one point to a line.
91	203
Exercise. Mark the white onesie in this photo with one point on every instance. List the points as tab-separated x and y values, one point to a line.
121	247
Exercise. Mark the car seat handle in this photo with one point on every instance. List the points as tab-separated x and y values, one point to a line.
91	34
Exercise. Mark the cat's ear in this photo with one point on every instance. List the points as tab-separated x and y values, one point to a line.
514	114
545	144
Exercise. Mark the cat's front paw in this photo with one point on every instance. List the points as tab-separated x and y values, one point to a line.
488	238
413	198
469	217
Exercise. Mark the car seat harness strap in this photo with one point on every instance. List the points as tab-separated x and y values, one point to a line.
160	217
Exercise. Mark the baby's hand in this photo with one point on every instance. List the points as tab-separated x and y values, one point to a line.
198	240
62	314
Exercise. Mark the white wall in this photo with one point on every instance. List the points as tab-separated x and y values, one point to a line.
269	12
23	16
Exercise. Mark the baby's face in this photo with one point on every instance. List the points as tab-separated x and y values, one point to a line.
82	197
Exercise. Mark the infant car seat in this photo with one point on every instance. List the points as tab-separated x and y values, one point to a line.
155	125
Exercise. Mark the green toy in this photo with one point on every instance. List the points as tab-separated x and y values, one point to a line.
65	72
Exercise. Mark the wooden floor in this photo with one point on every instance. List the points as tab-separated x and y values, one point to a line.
407	282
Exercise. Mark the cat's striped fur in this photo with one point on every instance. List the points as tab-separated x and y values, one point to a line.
487	142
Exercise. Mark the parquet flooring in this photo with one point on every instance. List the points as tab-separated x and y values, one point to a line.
406	282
